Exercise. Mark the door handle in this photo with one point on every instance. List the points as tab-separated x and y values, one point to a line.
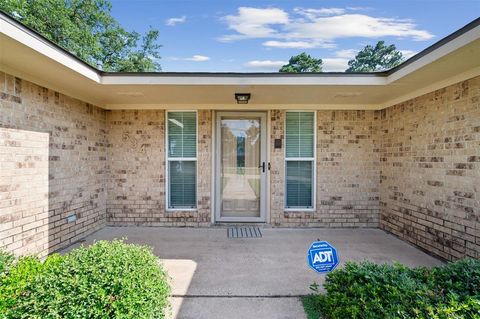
262	167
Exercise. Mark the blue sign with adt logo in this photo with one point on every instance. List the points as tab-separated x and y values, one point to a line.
322	257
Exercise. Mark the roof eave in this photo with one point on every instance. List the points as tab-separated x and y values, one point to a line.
475	23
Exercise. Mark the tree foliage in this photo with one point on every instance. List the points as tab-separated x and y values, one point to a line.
302	63
379	58
87	29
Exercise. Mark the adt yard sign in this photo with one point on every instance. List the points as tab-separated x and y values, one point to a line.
322	257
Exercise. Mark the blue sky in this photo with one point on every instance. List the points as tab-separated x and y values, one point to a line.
259	36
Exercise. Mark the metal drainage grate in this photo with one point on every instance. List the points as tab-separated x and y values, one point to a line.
244	232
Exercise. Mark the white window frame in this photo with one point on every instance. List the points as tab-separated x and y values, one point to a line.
169	159
301	159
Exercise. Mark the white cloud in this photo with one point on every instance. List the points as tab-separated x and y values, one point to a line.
408	53
356	8
289	44
254	23
174	21
194	58
314	13
339	62
347	53
356	25
265	65
198	58
335	64
308	28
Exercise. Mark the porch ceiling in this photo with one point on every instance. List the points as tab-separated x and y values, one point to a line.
26	54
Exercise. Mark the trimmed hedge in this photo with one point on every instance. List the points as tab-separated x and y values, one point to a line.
105	280
6	261
367	290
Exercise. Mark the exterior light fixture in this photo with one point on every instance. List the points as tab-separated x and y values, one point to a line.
242	98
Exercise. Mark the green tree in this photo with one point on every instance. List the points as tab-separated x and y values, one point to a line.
87	29
302	63
378	58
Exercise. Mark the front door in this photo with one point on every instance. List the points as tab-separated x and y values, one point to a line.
241	167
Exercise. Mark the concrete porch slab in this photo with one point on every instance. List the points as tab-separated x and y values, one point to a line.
236	308
221	275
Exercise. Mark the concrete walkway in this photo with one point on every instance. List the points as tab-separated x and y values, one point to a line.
218	277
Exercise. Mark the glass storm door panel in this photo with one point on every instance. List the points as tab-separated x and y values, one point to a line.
241	167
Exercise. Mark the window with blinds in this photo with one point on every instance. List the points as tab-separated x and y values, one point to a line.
182	160
299	160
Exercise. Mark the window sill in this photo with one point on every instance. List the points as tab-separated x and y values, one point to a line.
299	210
175	210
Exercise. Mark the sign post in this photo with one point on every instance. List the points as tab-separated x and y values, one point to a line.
322	257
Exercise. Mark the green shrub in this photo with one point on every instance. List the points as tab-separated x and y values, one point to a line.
6	260
14	283
367	290
461	277
105	280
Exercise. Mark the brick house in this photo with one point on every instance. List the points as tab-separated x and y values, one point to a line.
81	148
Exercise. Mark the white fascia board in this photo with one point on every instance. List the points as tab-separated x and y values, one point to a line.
242	80
447	48
43	47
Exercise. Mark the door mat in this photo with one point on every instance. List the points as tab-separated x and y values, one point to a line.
244	232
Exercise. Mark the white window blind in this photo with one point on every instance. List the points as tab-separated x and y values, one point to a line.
182	160
299	160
